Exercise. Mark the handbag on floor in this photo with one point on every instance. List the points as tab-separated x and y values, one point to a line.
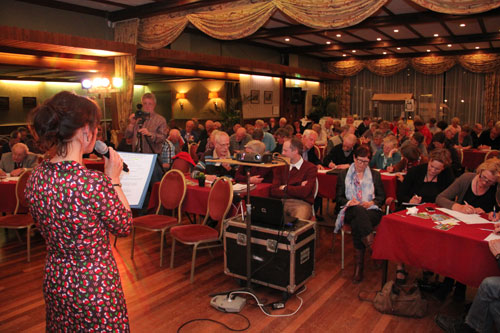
396	300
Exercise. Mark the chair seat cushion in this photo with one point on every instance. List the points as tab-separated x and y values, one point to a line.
16	221
154	222
194	233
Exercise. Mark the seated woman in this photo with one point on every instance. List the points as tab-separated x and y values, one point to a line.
471	193
411	157
360	194
257	174
422	184
388	155
464	139
439	141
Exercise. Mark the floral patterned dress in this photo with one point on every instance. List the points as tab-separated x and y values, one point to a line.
75	208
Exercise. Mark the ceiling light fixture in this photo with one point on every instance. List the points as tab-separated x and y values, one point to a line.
339	35
328	42
428	50
287	39
462	25
449	45
379	39
396	30
398	48
436	35
353	51
344	55
384	52
477	47
462	101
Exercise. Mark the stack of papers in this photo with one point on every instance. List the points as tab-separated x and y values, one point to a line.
242	187
466	218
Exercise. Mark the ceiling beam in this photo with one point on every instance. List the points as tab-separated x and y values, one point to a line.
67	6
395	43
373	22
414	55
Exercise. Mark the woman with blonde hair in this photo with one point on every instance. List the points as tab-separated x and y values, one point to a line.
388	155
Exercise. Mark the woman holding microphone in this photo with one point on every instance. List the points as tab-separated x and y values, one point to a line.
74	209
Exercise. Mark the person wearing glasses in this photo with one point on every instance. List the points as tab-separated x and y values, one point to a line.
422	184
360	196
471	193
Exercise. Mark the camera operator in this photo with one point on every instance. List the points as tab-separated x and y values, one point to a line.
151	126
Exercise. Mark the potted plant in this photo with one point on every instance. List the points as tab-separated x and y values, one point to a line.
201	179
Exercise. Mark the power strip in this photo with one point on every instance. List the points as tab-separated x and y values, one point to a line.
224	303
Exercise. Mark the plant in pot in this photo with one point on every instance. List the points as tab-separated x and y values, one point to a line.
201	179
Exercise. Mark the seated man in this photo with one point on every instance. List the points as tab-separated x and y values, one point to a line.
238	140
257	174
268	138
189	134
295	183
309	140
484	312
341	156
17	161
213	170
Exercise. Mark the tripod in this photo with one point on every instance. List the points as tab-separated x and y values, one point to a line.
140	137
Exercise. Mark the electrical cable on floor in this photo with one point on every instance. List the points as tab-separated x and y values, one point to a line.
218	322
261	306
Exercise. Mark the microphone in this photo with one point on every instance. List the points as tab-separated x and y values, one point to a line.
101	148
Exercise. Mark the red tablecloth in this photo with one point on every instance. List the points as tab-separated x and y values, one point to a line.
8	196
460	253
94	164
328	185
196	199
473	157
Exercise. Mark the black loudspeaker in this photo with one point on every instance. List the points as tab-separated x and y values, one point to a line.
296	96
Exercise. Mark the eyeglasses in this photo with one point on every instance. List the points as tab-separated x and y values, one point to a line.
486	180
363	161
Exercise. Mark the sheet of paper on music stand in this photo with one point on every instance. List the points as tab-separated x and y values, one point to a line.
135	182
492	236
466	218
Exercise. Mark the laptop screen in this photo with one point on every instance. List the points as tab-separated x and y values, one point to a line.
267	211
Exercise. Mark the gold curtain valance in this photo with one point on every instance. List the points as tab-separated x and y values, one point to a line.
477	63
458	7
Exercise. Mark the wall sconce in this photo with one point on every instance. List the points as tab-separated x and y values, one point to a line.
214	95
180	96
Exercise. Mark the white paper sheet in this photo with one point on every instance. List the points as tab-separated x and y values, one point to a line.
466	218
135	182
324	170
492	236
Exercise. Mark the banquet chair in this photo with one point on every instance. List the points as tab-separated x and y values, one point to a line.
201	236
346	229
19	220
193	147
461	154
181	165
171	194
317	152
491	154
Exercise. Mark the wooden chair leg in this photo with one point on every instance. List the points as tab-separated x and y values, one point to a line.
342	247
161	247
133	242
172	254
193	260
28	242
18	236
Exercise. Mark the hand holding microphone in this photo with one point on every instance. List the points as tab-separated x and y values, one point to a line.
101	148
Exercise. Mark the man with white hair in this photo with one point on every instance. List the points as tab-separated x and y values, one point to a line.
238	140
268	138
309	140
341	156
282	122
17	161
189	134
213	170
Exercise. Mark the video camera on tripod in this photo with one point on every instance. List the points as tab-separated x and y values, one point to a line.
140	115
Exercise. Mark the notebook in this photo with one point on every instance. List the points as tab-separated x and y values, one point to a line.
268	212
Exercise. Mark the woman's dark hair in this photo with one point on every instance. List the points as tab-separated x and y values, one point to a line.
440	155
419	137
363	151
439	137
442	125
411	153
58	118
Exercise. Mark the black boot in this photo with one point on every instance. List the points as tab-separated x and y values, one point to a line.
368	241
359	258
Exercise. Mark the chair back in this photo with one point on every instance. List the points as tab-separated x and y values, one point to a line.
182	165
219	201
461	154
491	154
21	202
193	147
172	190
317	152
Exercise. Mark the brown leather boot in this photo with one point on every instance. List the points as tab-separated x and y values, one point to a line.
359	258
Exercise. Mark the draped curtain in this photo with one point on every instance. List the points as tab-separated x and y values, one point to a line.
492	95
125	32
477	63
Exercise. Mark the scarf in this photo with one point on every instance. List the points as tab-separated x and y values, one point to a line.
362	191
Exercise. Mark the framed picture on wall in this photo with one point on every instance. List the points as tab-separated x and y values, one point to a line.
268	97
29	102
4	104
255	96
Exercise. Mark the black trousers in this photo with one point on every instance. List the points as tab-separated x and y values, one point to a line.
362	222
